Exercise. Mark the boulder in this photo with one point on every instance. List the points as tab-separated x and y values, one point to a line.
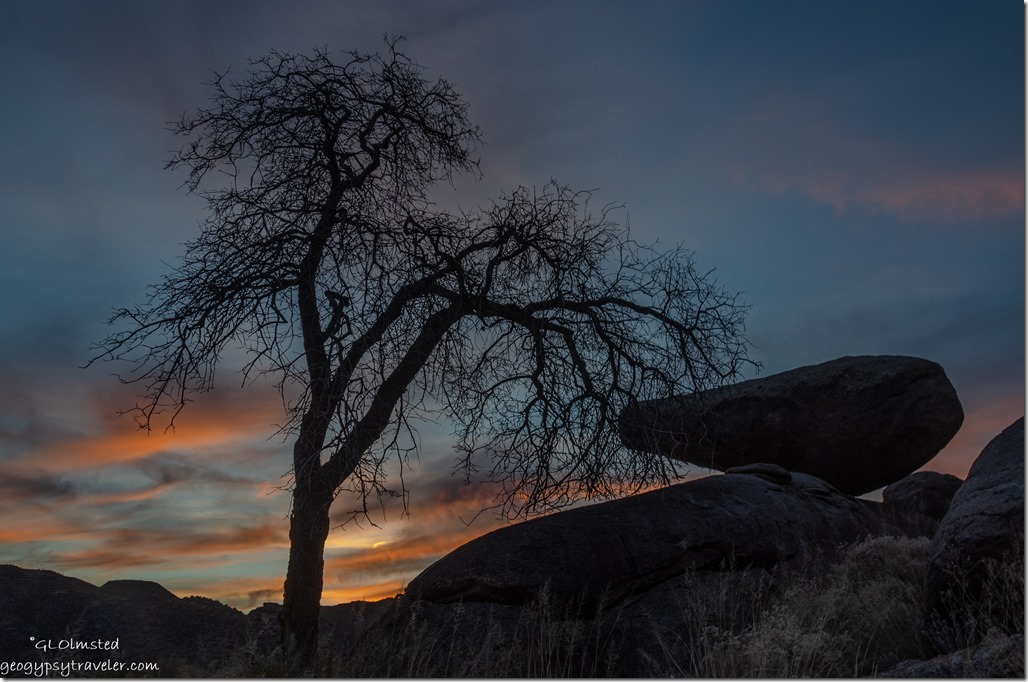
975	578
858	423
917	503
612	551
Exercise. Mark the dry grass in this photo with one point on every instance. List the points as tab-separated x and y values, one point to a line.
861	616
985	603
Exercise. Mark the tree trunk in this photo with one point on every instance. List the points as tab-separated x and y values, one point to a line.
308	530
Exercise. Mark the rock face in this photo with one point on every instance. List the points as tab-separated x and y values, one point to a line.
858	423
981	534
917	503
618	549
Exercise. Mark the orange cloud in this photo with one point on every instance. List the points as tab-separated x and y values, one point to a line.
32	530
208	424
124	547
121	498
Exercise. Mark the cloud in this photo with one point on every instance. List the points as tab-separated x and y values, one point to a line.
94	435
794	143
239	591
87	489
173	468
33	527
35	487
122	547
966	195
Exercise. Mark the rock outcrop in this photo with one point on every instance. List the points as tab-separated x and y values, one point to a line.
615	550
916	504
975	574
859	423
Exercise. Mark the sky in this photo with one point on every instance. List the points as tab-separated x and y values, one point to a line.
856	170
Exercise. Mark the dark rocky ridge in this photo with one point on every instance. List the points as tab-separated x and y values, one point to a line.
193	635
149	622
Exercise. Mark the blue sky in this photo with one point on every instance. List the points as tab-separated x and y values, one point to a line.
856	170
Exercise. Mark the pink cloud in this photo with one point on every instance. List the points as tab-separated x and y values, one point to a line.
966	195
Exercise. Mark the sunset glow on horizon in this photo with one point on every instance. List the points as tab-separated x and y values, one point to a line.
855	170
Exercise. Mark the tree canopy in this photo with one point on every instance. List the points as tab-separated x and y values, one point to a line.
529	323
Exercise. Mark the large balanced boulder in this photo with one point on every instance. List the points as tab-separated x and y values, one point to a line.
616	550
858	423
975	578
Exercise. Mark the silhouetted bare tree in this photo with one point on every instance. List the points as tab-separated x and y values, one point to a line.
529	324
